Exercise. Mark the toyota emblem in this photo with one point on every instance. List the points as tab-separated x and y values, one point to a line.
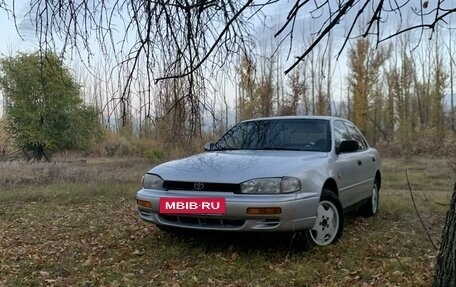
198	186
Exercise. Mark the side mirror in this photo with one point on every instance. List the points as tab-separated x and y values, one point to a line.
208	146
348	146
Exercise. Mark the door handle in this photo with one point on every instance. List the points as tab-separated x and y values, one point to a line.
360	162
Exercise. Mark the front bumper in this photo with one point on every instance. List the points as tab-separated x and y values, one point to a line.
298	211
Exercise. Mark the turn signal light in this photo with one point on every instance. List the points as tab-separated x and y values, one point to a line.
144	203
264	210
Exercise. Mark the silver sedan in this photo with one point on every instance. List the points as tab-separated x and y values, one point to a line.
296	173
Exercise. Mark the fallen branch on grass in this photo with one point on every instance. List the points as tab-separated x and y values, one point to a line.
417	212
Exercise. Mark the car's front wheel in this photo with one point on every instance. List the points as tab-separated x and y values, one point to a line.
329	221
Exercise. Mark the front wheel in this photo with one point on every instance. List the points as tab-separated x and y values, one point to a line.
329	221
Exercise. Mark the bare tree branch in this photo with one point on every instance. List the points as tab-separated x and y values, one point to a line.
418	213
157	40
333	12
343	10
223	24
228	26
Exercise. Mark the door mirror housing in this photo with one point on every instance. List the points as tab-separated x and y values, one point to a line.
348	146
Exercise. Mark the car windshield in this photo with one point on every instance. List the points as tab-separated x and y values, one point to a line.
277	134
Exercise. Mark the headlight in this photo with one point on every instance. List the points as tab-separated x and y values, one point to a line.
271	185
290	184
152	181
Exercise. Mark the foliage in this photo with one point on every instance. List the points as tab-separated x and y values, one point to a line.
2	138
155	154
396	97
247	98
298	90
158	43
44	110
364	67
256	98
155	150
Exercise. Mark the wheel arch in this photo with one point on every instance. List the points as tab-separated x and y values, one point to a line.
330	184
378	179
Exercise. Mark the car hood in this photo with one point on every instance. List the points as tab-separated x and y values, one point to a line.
238	166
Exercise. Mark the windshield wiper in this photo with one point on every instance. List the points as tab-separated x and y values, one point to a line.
225	148
257	148
280	148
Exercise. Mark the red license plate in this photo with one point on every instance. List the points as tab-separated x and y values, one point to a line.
189	205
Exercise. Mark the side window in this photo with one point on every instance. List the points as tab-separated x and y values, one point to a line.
356	135
340	133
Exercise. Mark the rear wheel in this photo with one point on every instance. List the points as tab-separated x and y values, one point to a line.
329	221
370	208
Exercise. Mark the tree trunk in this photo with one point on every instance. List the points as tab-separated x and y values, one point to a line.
445	273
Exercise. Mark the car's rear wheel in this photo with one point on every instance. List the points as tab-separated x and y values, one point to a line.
329	221
370	208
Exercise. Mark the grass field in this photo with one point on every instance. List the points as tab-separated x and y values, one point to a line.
75	224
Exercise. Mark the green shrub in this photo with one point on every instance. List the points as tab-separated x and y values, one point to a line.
155	154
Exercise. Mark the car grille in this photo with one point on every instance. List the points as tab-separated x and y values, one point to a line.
202	186
203	221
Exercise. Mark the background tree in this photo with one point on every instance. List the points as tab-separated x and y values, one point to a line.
247	85
298	90
204	37
45	110
364	65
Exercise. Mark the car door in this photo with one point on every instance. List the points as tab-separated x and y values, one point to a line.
365	172
345	167
352	168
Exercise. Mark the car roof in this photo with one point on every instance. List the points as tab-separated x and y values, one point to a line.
328	118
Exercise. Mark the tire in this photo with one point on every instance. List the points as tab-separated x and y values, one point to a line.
329	222
370	208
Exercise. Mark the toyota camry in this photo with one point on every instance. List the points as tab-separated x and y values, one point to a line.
294	173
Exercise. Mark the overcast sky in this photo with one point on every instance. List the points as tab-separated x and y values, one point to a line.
10	41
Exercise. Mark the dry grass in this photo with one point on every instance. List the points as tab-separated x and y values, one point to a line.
89	170
75	224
